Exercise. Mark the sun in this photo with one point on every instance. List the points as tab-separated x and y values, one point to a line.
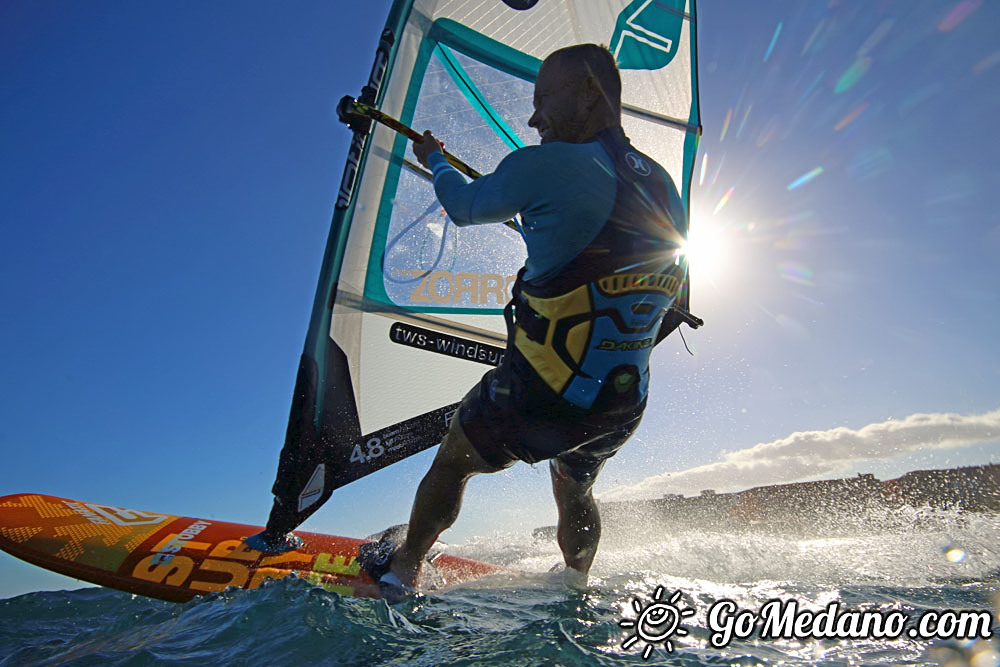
706	248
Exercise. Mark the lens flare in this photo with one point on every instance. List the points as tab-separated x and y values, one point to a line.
805	178
725	125
723	200
959	13
851	117
852	75
954	554
774	40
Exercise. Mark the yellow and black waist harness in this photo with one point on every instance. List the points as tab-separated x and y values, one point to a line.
596	338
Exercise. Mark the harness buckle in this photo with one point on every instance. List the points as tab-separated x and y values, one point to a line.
534	324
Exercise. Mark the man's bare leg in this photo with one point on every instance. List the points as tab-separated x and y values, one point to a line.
579	529
438	501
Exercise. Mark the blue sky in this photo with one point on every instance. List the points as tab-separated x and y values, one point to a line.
168	177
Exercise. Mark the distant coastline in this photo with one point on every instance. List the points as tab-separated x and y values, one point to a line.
862	501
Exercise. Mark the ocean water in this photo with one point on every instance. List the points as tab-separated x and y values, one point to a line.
917	562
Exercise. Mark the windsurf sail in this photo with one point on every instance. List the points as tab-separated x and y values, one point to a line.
408	312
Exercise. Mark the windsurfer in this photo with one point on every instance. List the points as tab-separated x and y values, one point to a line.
602	224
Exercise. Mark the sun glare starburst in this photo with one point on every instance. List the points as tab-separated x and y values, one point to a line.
705	249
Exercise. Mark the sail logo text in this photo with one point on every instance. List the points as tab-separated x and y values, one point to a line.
446	344
445	287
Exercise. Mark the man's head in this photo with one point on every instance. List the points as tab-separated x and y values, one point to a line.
577	94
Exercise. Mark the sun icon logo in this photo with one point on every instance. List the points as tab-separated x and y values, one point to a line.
657	622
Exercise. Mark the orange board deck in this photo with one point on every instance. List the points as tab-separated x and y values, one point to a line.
177	558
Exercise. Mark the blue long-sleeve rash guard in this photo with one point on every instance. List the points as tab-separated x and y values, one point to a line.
564	193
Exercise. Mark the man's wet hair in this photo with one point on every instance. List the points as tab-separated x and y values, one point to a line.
597	61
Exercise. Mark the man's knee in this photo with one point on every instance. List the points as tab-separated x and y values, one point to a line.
564	477
569	491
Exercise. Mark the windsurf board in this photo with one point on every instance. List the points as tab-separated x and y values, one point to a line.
177	558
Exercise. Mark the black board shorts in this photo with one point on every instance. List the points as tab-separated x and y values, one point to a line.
529	426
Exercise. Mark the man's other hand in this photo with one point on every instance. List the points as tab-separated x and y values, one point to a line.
423	149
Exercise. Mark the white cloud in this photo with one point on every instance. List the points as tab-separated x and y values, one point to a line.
810	454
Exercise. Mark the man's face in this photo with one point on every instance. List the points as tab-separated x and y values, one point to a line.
560	110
